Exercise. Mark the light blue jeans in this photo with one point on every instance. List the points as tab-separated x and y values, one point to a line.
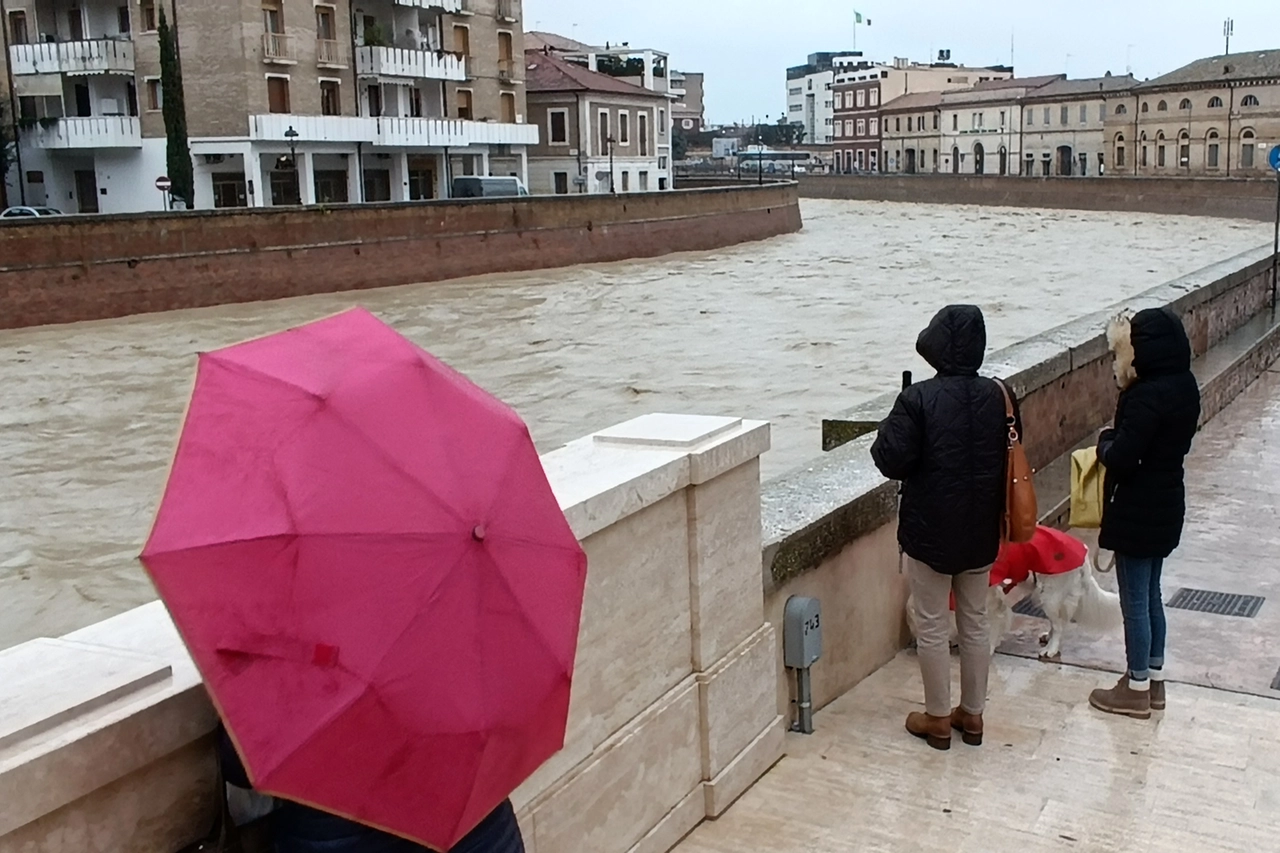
1143	608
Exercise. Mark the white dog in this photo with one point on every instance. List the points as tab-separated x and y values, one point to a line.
1073	596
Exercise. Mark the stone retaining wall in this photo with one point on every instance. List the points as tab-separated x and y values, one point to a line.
830	527
1228	197
96	267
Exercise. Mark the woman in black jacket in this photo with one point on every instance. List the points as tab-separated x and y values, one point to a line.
946	440
1144	452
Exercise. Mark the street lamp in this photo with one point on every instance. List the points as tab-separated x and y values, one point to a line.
291	136
613	190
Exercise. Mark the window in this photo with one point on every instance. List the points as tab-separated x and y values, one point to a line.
1213	149
919	123
1120	152
149	18
1047	113
155	95
862	127
862	98
508	104
1065	117
935	159
558	127
326	29
626	182
662	162
1185	104
935	121
955	121
331	98
464	104
606	137
1031	118
662	124
1249	101
644	182
1215	103
560	181
624	128
1084	113
1162	107
875	97
123	22
1247	147
897	124
1184	150
272	17
461	40
1160	156
1121	109
839	100
1145	107
1002	117
277	94
415	102
1142	157
18	28
873	127
375	99
642	126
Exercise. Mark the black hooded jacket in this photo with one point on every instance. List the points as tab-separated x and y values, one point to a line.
1156	420
946	440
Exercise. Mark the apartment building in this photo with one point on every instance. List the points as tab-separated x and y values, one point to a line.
861	90
599	133
287	101
1063	123
1216	117
689	110
811	95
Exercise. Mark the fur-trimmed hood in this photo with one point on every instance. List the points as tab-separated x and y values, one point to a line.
1151	343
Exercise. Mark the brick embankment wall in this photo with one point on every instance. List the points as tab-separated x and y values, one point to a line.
89	268
1229	198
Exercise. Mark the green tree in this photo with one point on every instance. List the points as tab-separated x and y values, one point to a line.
679	145
8	149
178	149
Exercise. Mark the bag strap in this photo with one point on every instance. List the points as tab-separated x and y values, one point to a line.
1011	420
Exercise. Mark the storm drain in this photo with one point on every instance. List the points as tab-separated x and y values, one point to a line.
1028	607
1217	603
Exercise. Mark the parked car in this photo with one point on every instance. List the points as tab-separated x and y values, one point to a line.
22	211
480	187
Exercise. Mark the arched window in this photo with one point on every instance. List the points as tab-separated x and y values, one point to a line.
1121	109
1120	159
1161	158
1162	107
1185	105
1146	108
1211	149
1249	101
1215	103
1248	145
1184	150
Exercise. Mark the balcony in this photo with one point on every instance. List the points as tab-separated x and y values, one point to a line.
277	49
391	132
329	53
451	6
99	56
93	132
507	70
412	64
507	12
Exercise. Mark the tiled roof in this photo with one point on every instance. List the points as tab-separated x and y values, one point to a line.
1019	82
1231	68
547	72
539	40
916	101
1086	86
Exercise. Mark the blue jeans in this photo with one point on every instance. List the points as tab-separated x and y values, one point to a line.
1143	608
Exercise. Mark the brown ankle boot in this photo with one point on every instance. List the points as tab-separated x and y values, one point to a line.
1158	699
936	731
969	726
1123	700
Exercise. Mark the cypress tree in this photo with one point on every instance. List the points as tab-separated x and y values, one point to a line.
178	149
8	148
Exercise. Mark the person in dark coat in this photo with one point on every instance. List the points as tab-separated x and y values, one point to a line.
947	441
1145	497
300	829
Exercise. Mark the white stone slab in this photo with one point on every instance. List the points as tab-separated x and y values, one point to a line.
665	430
45	683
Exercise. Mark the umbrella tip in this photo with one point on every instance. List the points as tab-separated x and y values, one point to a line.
478	533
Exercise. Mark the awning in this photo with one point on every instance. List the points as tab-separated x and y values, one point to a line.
37	85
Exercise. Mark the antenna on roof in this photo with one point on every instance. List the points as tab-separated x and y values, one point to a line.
1228	30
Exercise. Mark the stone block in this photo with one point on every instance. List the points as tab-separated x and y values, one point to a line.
677	823
630	783
724	558
744	771
738	699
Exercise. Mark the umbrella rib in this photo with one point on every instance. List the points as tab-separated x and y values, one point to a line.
266	537
524	617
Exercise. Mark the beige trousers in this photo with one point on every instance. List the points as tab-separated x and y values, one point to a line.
931	593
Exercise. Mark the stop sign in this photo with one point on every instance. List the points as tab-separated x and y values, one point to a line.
163	184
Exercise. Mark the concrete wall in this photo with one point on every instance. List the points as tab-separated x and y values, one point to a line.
97	267
830	528
1236	198
105	734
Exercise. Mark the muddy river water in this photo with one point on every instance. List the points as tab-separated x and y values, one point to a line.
788	330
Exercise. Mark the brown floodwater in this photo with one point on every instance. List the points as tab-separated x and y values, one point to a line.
787	330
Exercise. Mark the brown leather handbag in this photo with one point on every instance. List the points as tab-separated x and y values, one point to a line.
1021	514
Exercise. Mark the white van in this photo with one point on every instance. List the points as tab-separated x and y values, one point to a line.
478	187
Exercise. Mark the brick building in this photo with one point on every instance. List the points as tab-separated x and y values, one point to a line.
288	101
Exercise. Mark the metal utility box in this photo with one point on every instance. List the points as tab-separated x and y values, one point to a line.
801	632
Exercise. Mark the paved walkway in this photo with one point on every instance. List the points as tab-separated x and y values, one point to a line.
1054	775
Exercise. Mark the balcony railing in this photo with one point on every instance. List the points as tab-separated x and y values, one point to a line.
93	132
451	6
329	53
416	64
391	132
507	70
277	48
98	56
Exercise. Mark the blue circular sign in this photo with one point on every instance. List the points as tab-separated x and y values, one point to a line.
1275	158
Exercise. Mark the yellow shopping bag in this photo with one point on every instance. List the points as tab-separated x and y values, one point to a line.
1087	476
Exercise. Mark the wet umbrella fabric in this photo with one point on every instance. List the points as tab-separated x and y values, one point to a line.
364	557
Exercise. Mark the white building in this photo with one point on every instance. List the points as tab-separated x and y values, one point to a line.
810	95
981	127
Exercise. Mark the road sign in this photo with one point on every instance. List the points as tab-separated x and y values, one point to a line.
163	184
1274	159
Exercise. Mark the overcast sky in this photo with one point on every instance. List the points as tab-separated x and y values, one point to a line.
744	46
